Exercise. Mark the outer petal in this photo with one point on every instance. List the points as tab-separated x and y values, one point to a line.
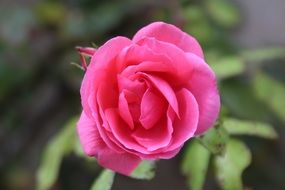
89	136
171	34
123	163
204	88
93	145
135	54
96	70
162	155
181	68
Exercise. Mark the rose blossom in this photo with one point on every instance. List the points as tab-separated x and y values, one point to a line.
144	98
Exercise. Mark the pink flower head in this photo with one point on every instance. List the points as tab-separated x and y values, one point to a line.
144	98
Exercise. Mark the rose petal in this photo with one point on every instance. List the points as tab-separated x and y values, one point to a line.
181	68
89	136
93	145
152	108
95	73
165	89
104	128
149	66
122	134
156	57
166	155
135	54
134	86
122	163
124	110
203	86
185	127
107	94
157	137
171	34
159	154
121	131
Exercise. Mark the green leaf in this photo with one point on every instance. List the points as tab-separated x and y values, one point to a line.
226	67
104	181
58	146
223	12
230	166
241	127
194	164
145	170
271	92
215	139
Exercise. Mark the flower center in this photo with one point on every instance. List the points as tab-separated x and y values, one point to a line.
140	104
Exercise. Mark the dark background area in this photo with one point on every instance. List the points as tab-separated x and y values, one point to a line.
39	88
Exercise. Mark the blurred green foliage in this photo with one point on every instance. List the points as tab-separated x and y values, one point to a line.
271	92
145	170
215	139
39	92
195	165
59	146
230	166
104	181
239	127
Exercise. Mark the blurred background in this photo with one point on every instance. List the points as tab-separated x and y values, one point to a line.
244	42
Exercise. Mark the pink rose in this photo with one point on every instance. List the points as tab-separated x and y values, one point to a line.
144	98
